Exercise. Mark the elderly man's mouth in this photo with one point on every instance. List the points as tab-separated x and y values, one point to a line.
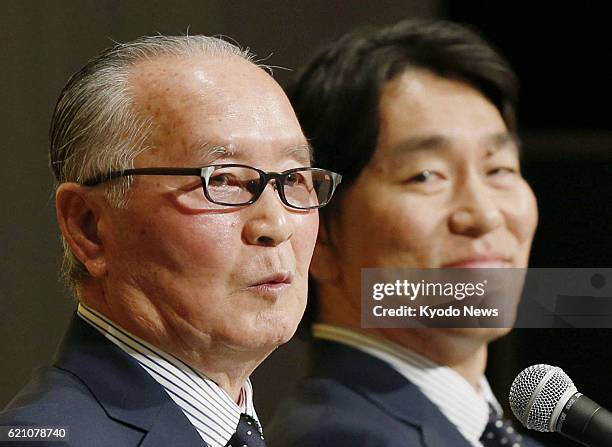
273	283
480	262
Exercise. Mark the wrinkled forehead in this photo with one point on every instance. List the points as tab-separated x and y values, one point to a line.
173	85
213	101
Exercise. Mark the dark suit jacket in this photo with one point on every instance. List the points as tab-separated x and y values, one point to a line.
354	399
103	395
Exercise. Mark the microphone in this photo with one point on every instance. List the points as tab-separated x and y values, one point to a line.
545	399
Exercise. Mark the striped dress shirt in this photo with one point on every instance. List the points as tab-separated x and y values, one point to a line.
465	407
211	411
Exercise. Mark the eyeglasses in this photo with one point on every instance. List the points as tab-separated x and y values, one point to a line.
240	185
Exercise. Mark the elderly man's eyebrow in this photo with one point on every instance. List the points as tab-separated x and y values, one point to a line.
209	154
302	153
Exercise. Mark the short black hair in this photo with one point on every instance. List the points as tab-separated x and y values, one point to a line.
336	96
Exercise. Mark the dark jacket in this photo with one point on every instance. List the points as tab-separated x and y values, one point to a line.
102	395
354	399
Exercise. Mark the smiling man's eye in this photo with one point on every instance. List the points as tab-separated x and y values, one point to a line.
423	177
502	170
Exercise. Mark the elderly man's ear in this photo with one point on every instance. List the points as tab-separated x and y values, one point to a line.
325	265
78	213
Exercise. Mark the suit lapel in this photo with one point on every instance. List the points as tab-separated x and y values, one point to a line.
123	388
387	389
171	428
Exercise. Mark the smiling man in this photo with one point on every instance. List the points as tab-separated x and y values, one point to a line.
419	118
188	209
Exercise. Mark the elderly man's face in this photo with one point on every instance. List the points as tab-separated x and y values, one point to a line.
199	274
443	189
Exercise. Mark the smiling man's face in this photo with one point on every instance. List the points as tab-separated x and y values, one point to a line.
442	190
188	275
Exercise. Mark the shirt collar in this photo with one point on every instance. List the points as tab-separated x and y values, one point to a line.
211	411
466	408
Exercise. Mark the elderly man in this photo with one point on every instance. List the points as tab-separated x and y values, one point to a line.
188	209
419	118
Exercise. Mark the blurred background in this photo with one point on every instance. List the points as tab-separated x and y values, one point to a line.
559	52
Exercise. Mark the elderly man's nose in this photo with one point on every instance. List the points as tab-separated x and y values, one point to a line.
476	212
268	223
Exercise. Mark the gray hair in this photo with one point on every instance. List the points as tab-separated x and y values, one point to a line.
96	127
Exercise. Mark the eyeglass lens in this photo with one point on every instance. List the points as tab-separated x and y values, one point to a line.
238	185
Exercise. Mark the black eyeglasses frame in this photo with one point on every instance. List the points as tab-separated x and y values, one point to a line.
204	172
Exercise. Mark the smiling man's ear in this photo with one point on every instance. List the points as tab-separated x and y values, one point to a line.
78	217
324	267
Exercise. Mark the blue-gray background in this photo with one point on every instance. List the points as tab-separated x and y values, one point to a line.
559	53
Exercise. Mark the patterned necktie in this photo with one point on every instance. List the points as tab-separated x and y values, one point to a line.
247	434
499	432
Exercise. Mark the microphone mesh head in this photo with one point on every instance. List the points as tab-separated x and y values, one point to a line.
535	393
